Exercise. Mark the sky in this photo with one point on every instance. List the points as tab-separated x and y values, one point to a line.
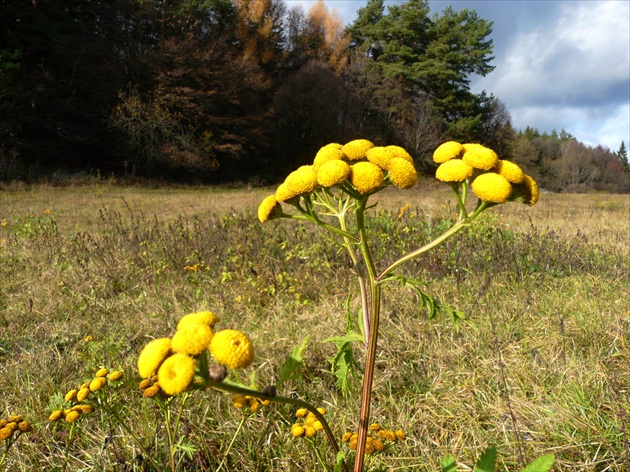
559	64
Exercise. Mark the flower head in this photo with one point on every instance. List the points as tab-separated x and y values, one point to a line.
71	395
492	187
333	173
366	177
380	156
72	416
480	157
301	181
356	150
447	151
152	356
101	372
55	415
269	209
284	193
330	152
176	373
116	375
204	317
527	191
510	171
97	383
232	348
192	339
454	170
402	173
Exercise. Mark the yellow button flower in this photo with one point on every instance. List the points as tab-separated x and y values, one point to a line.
192	339
330	152
297	430
447	151
302	181
402	173
232	348
83	394
380	156
480	157
152	356
284	193
269	209
204	317
366	177
72	416
333	173
356	150
71	395
532	188
491	187
101	372
510	171
176	373
454	170
97	383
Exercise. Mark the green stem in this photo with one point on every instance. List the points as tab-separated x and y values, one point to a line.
67	454
227	387
227	452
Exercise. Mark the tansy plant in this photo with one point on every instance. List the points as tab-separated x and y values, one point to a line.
333	193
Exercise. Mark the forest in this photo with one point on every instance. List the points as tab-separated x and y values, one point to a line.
214	91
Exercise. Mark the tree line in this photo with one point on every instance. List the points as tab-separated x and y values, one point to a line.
223	90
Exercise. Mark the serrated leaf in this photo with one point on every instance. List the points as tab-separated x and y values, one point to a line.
350	337
343	363
448	463
340	458
542	464
294	362
487	461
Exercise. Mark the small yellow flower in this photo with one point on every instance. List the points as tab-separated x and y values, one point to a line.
116	375
71	395
151	391
512	172
232	348
72	416
318	425
491	187
374	427
239	400
97	383
5	433
400	434
269	209
346	437
55	415
301	181
284	193
378	445
301	413
333	173
380	156
84	408
15	419
387	434
310	420
454	170
357	149
101	372
152	356
88	338
330	152
83	393
176	373
192	339
204	317
447	151
366	177
532	188
297	430
402	173
309	431
480	157
322	411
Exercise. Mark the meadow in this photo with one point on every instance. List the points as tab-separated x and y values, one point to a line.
89	274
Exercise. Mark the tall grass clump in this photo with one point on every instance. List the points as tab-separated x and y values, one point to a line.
526	348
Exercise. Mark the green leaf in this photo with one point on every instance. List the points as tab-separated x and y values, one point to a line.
448	463
542	464
294	362
343	363
340	458
487	461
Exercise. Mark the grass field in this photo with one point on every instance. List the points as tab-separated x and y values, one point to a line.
89	274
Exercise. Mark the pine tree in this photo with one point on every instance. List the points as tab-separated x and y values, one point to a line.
622	155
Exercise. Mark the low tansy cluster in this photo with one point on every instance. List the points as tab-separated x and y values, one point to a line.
78	398
493	180
358	168
307	424
170	364
13	427
377	438
246	401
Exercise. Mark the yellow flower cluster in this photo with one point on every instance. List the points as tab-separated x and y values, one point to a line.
307	425
247	401
76	397
376	439
362	165
170	363
13	425
494	180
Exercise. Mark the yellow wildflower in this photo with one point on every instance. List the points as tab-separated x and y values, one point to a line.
297	430
71	395
203	317
510	171
309	431
101	372
151	391
318	425
55	415
333	173
84	408
146	383
97	383
25	426
374	427
116	375
152	356
284	193
301	181
378	445
176	373
491	187
357	149
400	434
239	400
192	339
72	416
83	393
346	437
402	173
322	411
380	156
447	151
397	151
454	170
5	433
301	413
330	152
232	348
269	209
480	157
366	177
